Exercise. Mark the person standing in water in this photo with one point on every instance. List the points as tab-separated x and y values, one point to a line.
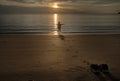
59	25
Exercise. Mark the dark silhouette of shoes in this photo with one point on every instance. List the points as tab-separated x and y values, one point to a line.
104	68
94	68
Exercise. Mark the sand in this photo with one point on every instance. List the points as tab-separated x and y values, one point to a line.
58	58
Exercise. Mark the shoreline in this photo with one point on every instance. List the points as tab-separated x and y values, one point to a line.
63	33
83	34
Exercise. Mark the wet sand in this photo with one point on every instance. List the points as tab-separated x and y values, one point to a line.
58	58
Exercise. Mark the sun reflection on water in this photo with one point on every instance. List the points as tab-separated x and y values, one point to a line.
55	24
55	20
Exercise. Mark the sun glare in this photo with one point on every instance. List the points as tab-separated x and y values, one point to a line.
55	5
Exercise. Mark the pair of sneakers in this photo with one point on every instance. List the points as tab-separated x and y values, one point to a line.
95	68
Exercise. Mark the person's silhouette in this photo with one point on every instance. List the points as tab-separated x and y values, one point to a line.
59	25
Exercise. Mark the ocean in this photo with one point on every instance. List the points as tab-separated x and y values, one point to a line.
47	23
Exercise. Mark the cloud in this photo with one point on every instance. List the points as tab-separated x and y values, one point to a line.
80	2
88	5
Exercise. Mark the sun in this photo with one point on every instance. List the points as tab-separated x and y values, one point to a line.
55	5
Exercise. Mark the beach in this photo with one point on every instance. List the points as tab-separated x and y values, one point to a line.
58	57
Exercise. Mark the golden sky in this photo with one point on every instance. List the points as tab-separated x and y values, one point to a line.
83	5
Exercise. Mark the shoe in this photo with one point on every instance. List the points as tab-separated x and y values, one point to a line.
95	68
104	68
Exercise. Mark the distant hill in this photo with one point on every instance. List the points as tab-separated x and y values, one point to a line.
33	10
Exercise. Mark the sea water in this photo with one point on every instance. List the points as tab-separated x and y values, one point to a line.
47	23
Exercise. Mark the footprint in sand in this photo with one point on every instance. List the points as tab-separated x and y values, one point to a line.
75	69
75	56
30	80
86	62
67	49
76	52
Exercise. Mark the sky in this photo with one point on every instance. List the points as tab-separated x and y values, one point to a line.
105	6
